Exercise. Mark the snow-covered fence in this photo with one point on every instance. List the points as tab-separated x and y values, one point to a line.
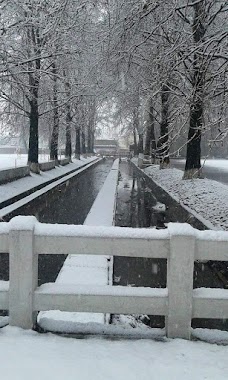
25	238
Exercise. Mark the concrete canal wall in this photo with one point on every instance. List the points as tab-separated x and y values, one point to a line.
9	175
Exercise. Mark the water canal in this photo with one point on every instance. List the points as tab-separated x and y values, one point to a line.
68	204
138	202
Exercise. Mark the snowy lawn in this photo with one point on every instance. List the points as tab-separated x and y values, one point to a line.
27	355
220	164
216	163
208	198
15	160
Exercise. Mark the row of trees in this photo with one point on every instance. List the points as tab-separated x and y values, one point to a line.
48	77
173	57
163	64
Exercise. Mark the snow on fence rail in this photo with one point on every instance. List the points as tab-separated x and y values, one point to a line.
24	238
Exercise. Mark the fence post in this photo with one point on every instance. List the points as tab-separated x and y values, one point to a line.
23	269
180	267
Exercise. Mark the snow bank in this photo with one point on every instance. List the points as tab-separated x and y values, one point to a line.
207	198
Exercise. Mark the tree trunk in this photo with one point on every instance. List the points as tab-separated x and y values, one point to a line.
136	126
140	143
90	139
83	142
55	137
77	143
135	142
33	151
163	142
68	146
55	130
34	82
150	142
91	126
193	165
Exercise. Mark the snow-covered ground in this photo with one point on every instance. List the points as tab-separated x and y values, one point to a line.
15	160
208	198
221	164
27	355
215	163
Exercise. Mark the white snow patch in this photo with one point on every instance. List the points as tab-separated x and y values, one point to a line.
4	286
207	198
60	288
27	355
43	229
210	293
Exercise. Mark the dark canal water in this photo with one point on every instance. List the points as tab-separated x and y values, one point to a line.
68	204
136	199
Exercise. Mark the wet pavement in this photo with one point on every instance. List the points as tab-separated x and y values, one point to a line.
137	203
68	204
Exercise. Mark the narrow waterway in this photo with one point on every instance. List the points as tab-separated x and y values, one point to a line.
138	203
68	204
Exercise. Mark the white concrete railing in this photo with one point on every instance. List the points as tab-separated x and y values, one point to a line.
25	238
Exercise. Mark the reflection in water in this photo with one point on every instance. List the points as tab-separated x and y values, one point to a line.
73	200
137	207
70	205
135	202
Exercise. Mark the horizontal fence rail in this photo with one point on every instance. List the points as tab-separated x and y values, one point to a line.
24	238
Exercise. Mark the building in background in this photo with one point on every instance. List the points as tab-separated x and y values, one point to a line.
106	147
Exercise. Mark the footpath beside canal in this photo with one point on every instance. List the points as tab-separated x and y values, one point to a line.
16	190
